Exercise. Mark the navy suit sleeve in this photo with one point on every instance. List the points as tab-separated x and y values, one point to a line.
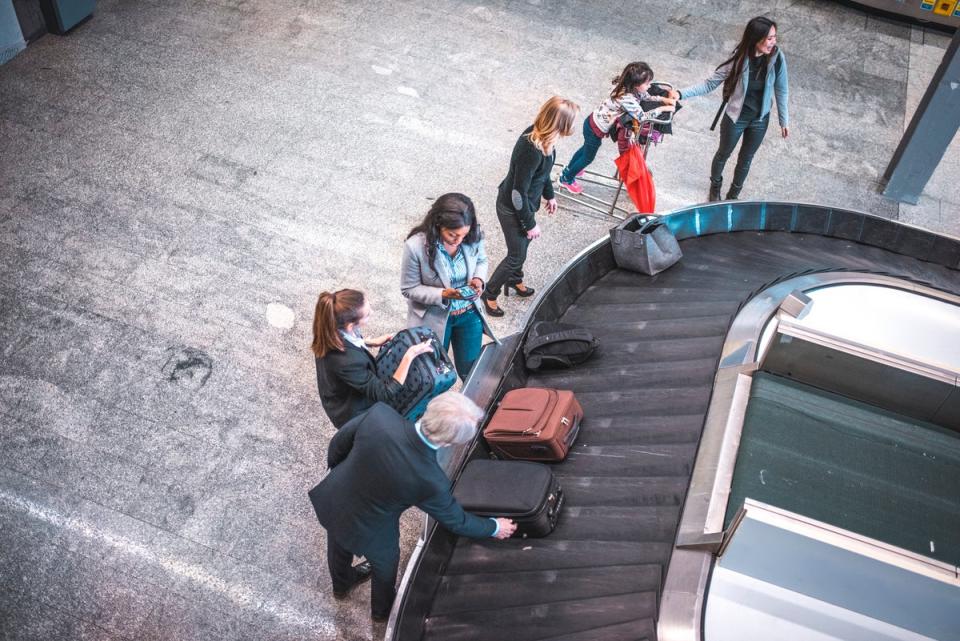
342	441
448	513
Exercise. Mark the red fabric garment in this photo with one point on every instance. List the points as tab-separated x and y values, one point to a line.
637	179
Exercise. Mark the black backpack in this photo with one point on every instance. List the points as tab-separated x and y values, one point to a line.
558	345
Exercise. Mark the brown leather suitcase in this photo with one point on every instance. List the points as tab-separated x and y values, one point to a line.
534	424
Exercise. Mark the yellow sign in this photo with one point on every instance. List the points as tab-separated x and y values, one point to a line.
945	7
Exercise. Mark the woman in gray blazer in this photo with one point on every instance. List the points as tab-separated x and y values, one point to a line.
444	270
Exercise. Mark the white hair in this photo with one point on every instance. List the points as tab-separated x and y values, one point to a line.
450	419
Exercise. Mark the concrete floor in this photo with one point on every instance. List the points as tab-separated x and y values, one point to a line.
179	180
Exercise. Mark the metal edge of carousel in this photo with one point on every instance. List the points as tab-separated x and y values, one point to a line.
700	533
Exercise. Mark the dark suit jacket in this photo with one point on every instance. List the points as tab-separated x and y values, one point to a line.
379	468
348	383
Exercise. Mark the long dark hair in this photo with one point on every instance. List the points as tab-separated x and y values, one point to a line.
632	76
334	311
449	211
755	31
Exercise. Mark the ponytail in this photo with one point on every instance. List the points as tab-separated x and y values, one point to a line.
334	312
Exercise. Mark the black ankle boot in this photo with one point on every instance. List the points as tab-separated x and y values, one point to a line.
734	192
715	191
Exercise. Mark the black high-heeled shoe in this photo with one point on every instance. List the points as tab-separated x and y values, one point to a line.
522	293
491	311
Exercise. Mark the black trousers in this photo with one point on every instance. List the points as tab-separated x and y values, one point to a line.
510	269
753	132
383	588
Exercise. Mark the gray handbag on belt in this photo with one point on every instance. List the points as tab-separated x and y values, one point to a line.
644	245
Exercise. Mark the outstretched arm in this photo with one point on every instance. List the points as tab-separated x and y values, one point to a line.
448	513
715	80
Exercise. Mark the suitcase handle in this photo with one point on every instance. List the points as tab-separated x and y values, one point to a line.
572	436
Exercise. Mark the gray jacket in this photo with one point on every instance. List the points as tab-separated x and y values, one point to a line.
422	286
776	85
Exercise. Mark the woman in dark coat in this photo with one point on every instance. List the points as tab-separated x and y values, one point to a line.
520	193
346	370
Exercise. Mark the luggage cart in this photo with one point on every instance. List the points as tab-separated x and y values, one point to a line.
645	134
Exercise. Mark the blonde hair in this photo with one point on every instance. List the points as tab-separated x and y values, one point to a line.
556	118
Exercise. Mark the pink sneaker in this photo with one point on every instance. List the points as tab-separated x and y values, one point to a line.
581	172
573	187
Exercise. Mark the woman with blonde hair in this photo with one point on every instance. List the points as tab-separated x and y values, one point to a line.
520	194
346	370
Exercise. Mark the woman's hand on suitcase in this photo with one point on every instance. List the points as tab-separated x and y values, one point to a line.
507	528
378	341
400	375
419	348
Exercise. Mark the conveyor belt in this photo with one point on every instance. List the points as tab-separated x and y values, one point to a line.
598	576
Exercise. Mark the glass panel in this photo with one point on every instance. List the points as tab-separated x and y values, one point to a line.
795	579
893	320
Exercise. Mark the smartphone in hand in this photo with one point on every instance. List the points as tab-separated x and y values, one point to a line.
467	293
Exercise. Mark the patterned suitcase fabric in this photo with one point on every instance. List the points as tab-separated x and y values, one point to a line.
525	492
430	374
534	424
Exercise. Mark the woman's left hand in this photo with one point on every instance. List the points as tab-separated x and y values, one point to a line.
552	206
378	341
784	131
477	285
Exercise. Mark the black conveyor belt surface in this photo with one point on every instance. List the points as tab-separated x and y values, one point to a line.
598	576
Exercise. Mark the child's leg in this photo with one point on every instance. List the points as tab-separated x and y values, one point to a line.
583	156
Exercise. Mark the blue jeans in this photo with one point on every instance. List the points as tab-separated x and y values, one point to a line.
465	331
753	132
583	156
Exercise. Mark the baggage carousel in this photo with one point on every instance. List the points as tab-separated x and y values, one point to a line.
600	574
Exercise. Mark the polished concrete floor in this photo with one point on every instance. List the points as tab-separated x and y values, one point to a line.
179	180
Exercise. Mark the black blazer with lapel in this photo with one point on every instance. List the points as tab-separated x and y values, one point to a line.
348	383
379	468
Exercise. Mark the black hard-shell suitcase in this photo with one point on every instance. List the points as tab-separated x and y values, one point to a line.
430	374
526	492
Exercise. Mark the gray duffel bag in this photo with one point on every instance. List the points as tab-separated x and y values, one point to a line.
643	244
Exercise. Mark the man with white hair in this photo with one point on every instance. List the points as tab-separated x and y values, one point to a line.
380	465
